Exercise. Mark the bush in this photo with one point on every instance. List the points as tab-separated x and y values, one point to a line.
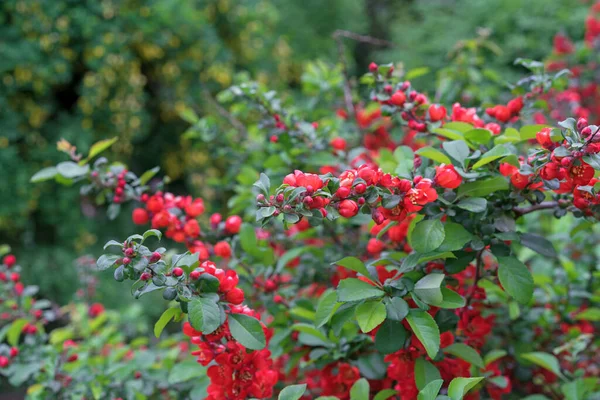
390	247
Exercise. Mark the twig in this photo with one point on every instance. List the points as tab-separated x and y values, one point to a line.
542	206
338	35
333	235
362	38
478	264
225	114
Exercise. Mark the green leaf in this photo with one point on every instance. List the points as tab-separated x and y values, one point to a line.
538	244
427	331
164	319
589	314
369	315
390	336
428	288
461	127
58	336
455	237
448	133
69	169
574	390
106	261
510	135
466	353
184	371
406	160
248	240
544	360
146	176
451	300
204	314
431	390
248	331
310	330
354	264
293	392
290	255
479	136
457	149
434	154
515	278
325	308
99	147
493	355
497	152
353	289
23	372
427	236
13	334
412	74
425	372
473	204
263	184
44	175
152	232
385	394
397	308
461	386
529	131
360	390
484	187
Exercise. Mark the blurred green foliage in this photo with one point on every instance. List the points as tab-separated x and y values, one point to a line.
88	70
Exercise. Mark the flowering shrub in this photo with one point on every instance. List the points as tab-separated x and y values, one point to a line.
395	248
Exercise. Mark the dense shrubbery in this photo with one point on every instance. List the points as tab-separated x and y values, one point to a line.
400	246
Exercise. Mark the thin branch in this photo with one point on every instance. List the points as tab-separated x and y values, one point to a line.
347	87
478	267
362	38
542	206
331	231
338	36
225	114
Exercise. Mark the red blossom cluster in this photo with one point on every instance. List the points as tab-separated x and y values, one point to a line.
176	215
582	97
11	307
354	185
563	163
334	379
235	373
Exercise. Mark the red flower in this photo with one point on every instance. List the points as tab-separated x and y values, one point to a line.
192	228
233	224
223	249
550	171
338	143
420	195
375	246
447	177
235	296
140	216
398	98
543	138
300	179
581	174
155	203
9	260
437	112
515	105
195	208
348	208
95	310
519	180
